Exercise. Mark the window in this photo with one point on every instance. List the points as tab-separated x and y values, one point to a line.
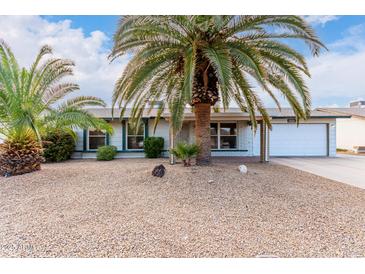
223	135
97	138
214	135
135	137
228	132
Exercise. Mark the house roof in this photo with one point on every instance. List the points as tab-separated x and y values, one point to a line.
289	113
275	113
358	112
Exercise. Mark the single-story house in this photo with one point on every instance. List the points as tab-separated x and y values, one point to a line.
350	132
231	134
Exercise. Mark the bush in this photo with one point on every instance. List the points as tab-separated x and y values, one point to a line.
58	146
106	153
185	152
153	147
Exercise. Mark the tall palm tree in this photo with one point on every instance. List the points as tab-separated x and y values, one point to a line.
32	102
200	60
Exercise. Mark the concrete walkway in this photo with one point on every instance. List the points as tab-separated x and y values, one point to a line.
348	169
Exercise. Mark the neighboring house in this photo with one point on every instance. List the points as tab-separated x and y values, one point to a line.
231	134
350	132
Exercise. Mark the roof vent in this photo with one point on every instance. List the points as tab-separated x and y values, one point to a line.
357	104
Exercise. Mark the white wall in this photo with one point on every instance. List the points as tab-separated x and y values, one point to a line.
256	141
120	155
80	139
116	139
332	138
247	140
350	133
244	139
162	130
331	135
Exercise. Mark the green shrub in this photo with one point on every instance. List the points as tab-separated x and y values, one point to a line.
106	153
153	147
185	152
58	146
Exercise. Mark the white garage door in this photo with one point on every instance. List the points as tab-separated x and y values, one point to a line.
305	140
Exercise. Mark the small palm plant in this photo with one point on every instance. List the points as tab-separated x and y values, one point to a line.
185	152
32	103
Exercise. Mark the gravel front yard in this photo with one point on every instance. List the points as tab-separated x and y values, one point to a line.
86	208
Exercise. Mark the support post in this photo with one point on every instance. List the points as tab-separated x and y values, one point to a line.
124	134
172	144
146	127
84	141
264	143
107	137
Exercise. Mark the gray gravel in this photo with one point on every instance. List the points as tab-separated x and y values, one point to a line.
86	208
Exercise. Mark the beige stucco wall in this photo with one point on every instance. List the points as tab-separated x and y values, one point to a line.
350	133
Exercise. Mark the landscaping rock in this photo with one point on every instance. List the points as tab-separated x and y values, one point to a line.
242	169
85	208
159	171
7	174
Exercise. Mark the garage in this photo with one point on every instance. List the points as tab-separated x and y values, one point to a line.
302	140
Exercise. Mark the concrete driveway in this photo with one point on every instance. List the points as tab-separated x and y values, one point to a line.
348	169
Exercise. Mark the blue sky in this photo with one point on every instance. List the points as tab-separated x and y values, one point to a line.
89	23
337	75
328	32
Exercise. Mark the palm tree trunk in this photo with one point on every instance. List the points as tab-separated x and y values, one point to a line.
202	133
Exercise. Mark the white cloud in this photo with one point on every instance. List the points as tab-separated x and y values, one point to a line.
320	19
93	72
340	72
353	40
337	74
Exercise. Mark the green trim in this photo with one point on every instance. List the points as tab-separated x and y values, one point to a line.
124	135
311	117
225	150
218	150
165	150
107	137
84	143
119	151
146	133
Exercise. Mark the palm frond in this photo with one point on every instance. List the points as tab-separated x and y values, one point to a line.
238	48
30	99
220	60
82	101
